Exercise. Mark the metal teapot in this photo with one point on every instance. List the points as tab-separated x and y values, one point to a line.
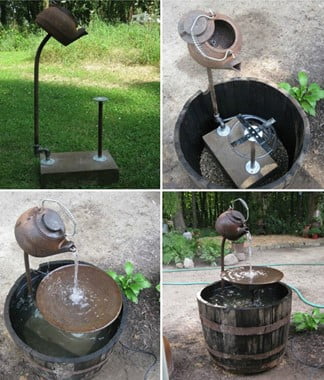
231	224
40	231
214	40
60	24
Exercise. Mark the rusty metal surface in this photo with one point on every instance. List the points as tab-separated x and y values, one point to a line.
226	36
231	224
40	232
244	331
100	306
60	24
261	356
263	275
203	30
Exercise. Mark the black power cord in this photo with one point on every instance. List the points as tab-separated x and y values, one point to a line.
143	352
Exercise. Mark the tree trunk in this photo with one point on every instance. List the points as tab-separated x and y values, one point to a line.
178	219
3	13
194	210
313	200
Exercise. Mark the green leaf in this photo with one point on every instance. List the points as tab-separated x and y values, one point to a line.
136	288
311	102
158	287
112	274
298	317
129	267
308	108
142	281
286	86
131	296
301	326
302	78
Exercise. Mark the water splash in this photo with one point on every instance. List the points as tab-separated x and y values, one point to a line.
77	296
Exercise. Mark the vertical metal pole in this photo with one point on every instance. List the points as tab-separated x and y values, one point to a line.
212	90
100	107
27	268
252	144
36	102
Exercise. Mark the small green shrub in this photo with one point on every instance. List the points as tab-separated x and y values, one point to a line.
131	283
307	96
241	240
308	321
210	249
176	248
314	231
274	225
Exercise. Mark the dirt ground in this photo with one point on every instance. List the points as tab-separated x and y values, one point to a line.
113	227
182	326
280	38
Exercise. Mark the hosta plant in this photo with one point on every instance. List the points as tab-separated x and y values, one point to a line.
306	95
131	283
308	321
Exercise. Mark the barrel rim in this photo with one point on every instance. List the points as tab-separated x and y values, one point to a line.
77	360
200	299
202	182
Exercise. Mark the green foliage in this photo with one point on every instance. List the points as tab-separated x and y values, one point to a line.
308	321
275	224
314	231
23	12
131	283
306	95
241	240
68	115
209	249
176	248
170	204
126	44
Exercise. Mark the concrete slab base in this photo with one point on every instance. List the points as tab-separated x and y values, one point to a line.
79	168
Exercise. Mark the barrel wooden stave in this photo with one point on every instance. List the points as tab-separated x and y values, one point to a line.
247	340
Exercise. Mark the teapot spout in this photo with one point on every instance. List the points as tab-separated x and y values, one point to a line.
66	246
234	64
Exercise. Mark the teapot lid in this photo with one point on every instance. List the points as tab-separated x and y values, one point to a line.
196	22
50	223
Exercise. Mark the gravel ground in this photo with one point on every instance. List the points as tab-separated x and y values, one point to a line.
182	326
280	38
113	227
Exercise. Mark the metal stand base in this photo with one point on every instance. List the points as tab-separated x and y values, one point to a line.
252	170
100	159
225	131
233	164
79	168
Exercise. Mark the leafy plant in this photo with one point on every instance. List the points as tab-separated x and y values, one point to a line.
210	249
241	240
308	321
306	95
131	283
314	231
176	248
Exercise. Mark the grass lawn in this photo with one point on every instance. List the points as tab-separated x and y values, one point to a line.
95	65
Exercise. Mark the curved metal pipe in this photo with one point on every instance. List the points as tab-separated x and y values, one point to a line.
37	147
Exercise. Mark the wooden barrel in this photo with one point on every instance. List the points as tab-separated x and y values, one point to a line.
51	367
245	96
246	340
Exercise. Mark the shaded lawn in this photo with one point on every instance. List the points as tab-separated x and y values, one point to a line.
68	121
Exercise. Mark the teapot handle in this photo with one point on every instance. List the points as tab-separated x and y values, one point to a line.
244	204
66	211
